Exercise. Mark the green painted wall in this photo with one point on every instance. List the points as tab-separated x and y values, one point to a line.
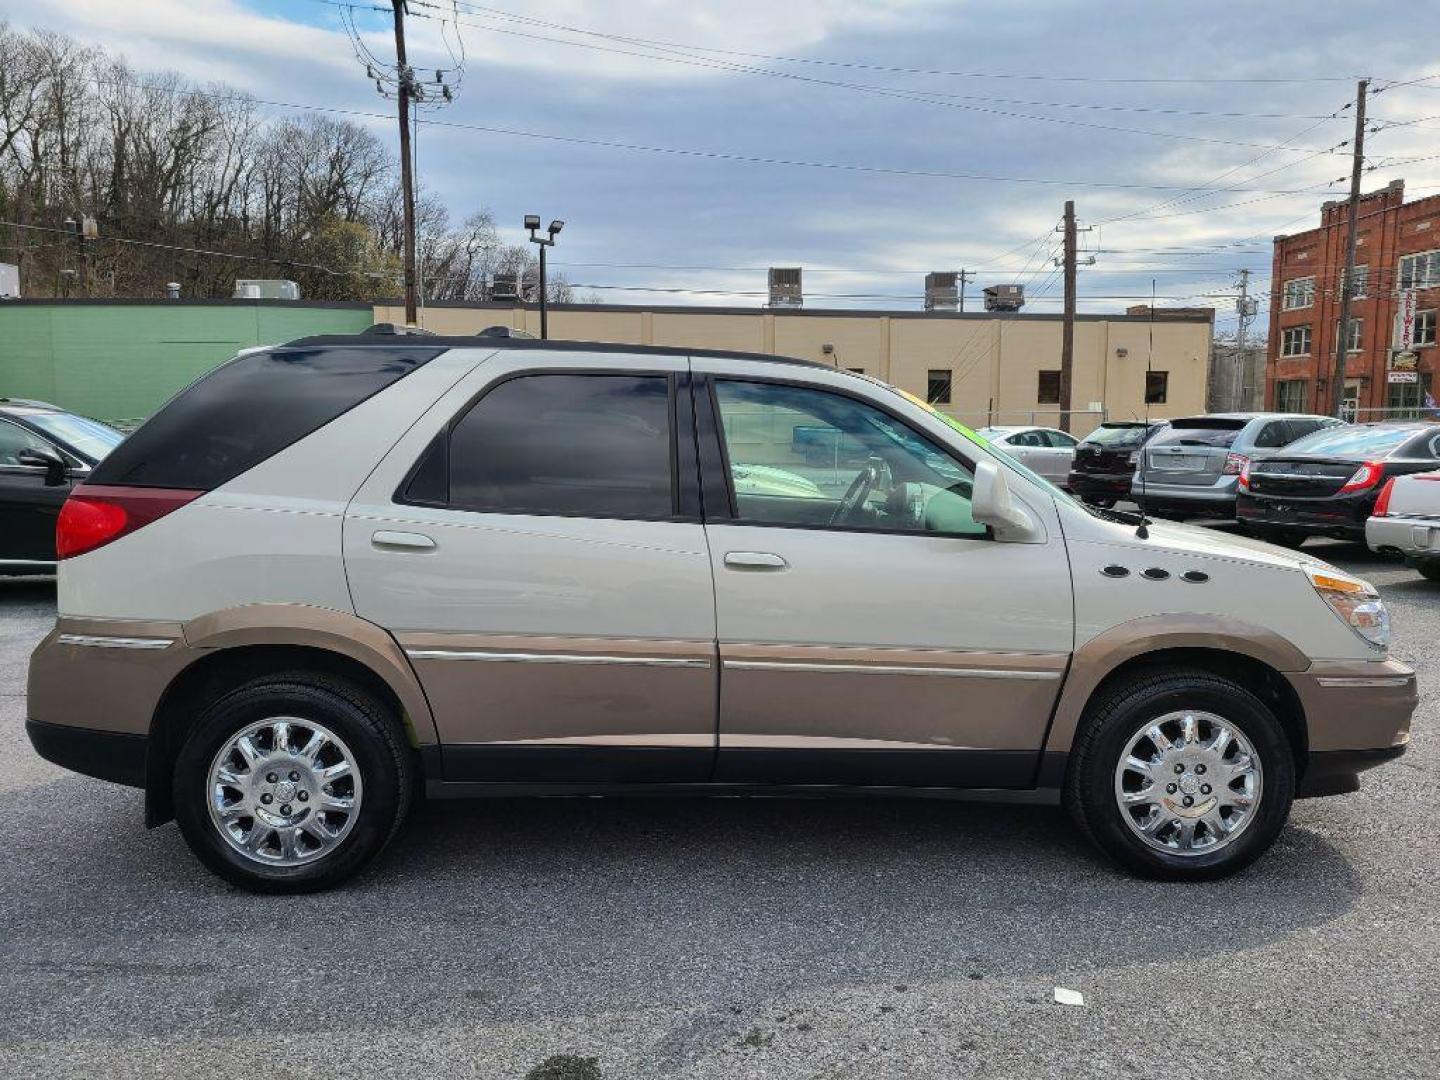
122	361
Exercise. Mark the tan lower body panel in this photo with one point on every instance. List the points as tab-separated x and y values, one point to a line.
819	697
556	691
1356	705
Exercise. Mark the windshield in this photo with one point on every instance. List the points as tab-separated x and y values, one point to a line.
1202	431
90	437
1117	435
1344	441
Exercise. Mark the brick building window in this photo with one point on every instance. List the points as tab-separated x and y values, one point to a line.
1290	395
1362	282
1425	328
937	388
1299	293
1295	341
1157	387
1357	333
1048	390
1420	271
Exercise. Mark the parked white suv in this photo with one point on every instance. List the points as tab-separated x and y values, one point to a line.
336	575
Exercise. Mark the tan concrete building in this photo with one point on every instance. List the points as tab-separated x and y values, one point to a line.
998	367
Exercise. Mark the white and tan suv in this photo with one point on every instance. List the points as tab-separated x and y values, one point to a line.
335	576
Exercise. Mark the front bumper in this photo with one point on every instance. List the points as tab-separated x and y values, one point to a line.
1358	716
105	755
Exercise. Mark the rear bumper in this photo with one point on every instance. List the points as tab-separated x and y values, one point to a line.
1339	517
1414	537
105	755
1100	485
1215	499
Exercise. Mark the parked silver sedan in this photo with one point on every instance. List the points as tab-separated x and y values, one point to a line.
1406	519
1044	450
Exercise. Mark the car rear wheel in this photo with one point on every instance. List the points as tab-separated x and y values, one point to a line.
1291	538
1429	570
1181	775
291	783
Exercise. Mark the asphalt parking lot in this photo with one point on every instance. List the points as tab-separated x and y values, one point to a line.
575	939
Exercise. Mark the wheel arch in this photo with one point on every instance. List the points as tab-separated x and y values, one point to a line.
233	647
1251	656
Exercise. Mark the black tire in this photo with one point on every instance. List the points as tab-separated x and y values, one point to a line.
375	740
1113	718
1103	504
1429	570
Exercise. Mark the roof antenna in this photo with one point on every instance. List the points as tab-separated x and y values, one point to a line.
1142	531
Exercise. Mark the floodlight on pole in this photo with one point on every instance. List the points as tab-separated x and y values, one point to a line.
532	222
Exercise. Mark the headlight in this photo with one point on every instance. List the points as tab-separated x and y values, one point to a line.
1356	603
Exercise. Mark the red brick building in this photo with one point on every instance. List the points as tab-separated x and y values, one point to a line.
1397	249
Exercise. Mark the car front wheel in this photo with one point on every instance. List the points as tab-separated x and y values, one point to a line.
1181	775
291	783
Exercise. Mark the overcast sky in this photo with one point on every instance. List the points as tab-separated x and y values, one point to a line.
1126	107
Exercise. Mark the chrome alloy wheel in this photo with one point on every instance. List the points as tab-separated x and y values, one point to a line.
284	791
1188	783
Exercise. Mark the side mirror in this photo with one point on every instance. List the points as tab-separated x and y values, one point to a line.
991	504
56	471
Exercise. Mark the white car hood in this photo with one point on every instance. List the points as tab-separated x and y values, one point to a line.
1190	540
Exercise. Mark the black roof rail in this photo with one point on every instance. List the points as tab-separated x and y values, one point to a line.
471	341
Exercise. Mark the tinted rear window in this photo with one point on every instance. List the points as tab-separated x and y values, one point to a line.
1348	441
1125	435
573	445
250	409
1199	431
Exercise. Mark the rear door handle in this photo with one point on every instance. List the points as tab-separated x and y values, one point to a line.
407	541
754	560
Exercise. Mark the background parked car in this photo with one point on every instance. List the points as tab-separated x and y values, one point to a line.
1044	450
1105	460
1406	519
1192	468
1327	484
43	451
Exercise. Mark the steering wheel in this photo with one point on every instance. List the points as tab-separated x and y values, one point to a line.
855	495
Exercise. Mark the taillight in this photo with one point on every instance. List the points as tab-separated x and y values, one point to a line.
1382	504
1367	476
1244	481
95	516
1235	464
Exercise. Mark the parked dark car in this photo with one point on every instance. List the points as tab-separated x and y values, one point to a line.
1326	484
1105	460
44	450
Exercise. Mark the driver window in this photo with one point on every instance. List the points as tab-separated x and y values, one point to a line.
808	457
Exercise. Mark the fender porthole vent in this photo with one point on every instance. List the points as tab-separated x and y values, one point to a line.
1155	573
1115	570
1195	577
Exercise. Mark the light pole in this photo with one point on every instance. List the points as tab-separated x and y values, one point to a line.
532	222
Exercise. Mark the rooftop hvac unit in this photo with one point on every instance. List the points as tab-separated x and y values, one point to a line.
266	289
504	286
1004	297
940	291
785	291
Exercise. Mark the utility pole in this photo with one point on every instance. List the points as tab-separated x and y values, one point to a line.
1067	331
1242	309
406	81
1357	166
964	277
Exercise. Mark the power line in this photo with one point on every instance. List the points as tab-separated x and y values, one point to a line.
472	8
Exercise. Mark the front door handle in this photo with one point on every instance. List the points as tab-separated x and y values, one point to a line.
754	560
407	541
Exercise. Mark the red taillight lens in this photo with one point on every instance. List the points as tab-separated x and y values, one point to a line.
1236	464
95	516
1382	504
1368	475
1244	480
